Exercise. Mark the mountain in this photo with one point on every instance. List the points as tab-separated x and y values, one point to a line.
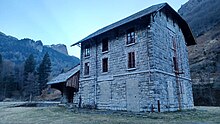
203	16
60	48
17	51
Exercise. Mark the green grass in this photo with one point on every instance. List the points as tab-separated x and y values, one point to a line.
61	115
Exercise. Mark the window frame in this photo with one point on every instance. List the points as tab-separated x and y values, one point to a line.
130	36
105	65
86	68
175	65
131	60
105	45
87	51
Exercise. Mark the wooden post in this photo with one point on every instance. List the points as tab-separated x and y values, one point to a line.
152	108
158	103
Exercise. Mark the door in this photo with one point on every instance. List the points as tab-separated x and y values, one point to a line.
105	92
170	90
132	92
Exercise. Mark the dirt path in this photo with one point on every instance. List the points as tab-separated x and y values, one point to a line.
61	115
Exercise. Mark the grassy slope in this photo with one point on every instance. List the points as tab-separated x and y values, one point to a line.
59	115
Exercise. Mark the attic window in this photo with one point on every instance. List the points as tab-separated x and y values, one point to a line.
130	36
173	23
116	34
87	51
167	18
105	45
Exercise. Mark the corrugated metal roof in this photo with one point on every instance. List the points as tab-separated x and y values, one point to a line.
184	26
64	76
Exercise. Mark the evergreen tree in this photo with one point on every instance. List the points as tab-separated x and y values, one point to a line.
30	86
29	65
8	84
44	71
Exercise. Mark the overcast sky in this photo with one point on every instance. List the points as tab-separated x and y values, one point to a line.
66	21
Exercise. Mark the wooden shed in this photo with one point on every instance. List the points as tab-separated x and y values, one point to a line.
67	83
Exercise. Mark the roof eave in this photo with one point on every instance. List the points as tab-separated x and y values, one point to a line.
190	40
119	23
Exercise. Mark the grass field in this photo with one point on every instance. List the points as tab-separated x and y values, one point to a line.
60	115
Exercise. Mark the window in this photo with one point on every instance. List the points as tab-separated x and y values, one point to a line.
87	51
116	34
105	65
131	60
86	69
105	45
174	23
130	36
175	64
167	18
174	42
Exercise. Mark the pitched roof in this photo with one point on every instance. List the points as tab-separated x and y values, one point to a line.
64	76
155	8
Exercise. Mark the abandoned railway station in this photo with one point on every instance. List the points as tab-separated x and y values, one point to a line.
139	63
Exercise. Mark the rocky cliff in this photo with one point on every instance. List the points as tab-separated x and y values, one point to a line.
59	47
203	16
17	51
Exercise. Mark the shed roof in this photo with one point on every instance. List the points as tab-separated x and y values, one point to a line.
155	8
64	76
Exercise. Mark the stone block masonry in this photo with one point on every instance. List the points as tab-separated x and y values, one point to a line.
160	80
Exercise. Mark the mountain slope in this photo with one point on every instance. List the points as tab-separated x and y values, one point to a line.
203	16
17	51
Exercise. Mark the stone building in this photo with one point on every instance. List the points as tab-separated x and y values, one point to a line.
139	63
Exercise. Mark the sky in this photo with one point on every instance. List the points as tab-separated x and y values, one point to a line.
67	21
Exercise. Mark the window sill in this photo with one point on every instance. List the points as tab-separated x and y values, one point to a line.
104	73
127	45
86	57
131	69
178	72
86	76
104	52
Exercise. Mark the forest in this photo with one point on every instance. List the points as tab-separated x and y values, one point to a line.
25	81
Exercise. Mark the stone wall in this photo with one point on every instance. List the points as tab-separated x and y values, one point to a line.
164	32
151	84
